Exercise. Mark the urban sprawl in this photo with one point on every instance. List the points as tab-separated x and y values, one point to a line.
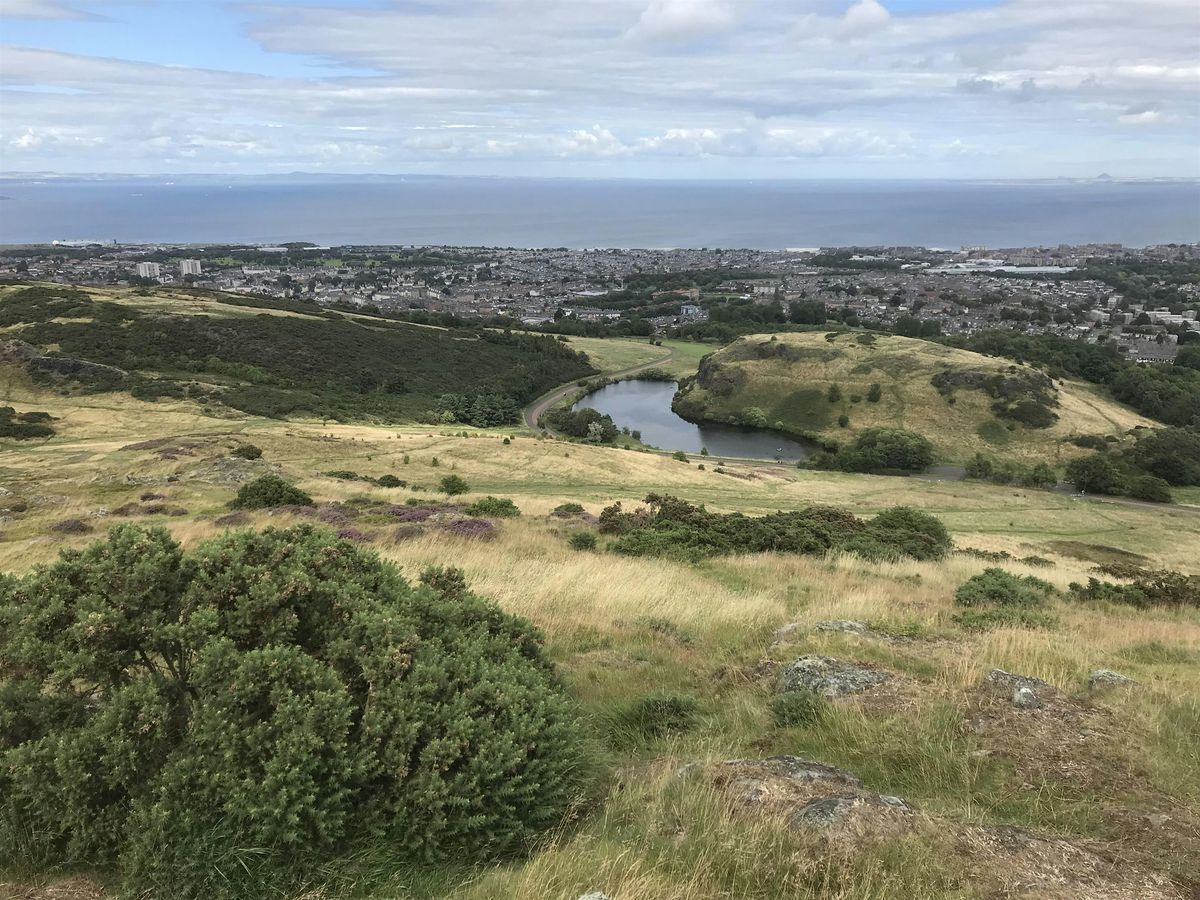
1144	300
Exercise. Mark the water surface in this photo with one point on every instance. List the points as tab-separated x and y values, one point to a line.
645	406
532	212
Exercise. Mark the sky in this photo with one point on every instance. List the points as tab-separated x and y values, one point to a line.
740	89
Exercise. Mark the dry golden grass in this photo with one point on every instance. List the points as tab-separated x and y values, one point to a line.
624	628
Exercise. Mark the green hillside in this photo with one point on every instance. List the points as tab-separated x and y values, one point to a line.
962	402
274	359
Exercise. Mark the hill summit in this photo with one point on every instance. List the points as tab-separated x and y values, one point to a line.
831	386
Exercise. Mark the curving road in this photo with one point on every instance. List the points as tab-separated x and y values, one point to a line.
534	410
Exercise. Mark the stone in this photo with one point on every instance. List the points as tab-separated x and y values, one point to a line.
847	626
797	769
759	781
1107	678
825	812
828	677
595	895
831	810
1025	698
1004	679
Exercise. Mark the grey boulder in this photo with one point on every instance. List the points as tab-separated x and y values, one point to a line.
828	676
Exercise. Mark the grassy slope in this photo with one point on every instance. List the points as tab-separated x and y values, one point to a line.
289	361
1090	768
795	393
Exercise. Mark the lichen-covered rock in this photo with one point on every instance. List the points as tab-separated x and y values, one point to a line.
781	783
1108	678
831	810
1025	698
796	769
1000	678
846	626
594	895
828	677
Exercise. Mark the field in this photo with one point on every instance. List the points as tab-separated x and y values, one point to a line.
790	376
1095	795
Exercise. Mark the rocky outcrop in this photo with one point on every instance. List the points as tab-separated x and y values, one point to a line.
828	677
1012	681
1108	678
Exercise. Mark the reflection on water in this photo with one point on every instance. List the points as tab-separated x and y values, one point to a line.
645	406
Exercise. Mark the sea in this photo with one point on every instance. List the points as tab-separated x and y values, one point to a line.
579	213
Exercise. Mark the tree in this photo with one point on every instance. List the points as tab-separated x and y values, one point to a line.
980	467
223	723
835	393
1173	454
1150	489
1095	474
453	485
753	417
875	394
884	450
1189	357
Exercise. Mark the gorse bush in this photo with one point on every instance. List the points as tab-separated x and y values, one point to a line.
672	527
996	587
582	540
1149	589
267	491
453	485
996	599
247	451
223	723
24	426
493	508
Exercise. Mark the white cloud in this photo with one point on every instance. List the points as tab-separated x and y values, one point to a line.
38	9
683	20
864	17
548	84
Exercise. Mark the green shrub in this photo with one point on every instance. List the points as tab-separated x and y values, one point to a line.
875	394
911	532
885	450
644	720
1149	488
675	528
390	481
1096	474
566	510
798	709
752	417
269	490
843	421
453	485
680	455
835	393
493	508
996	587
582	540
1148	590
24	426
247	451
223	723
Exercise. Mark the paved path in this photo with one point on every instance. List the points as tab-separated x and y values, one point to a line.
534	410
